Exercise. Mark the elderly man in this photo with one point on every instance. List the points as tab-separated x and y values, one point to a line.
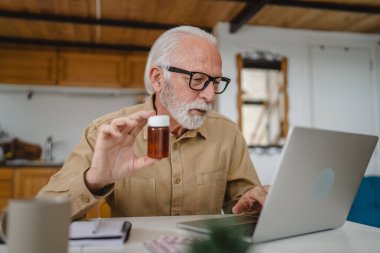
208	168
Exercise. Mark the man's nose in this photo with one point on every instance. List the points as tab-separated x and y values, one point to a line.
208	94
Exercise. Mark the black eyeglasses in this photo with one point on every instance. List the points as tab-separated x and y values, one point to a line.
199	81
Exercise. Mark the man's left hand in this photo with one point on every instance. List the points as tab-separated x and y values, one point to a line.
252	200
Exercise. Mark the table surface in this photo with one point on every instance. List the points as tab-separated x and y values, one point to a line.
351	237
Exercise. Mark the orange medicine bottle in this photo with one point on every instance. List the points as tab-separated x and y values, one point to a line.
158	136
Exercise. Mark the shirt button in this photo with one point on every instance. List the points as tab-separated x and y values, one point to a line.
177	180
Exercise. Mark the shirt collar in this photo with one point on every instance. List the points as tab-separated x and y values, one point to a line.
149	105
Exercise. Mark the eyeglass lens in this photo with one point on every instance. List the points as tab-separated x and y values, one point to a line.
198	81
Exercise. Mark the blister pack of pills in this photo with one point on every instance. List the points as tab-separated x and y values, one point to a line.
169	244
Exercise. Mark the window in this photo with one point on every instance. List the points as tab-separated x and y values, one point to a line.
262	98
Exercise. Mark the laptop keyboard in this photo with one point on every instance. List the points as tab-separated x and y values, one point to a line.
246	223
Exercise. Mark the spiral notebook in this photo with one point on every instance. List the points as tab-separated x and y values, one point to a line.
99	231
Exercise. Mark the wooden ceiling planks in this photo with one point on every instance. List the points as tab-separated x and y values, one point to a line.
303	18
205	13
369	24
362	2
195	12
46	30
115	35
82	8
128	9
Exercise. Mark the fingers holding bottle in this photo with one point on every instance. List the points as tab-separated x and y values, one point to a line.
114	157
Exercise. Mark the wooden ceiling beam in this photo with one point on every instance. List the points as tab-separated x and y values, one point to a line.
246	14
72	44
90	21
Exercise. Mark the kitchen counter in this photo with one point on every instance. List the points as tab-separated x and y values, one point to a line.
27	163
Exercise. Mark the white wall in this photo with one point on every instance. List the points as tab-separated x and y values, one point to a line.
62	113
294	44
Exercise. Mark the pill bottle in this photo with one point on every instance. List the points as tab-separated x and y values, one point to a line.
158	136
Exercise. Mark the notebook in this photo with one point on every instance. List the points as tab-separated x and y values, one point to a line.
99	232
316	181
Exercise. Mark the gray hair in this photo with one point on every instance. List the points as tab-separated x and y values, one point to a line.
163	48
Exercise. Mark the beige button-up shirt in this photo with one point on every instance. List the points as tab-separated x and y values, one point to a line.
207	169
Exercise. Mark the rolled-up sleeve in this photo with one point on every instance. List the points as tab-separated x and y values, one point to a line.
69	183
241	173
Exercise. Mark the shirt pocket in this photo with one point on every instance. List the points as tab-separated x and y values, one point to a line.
211	188
136	196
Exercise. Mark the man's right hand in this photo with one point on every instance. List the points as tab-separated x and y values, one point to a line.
113	157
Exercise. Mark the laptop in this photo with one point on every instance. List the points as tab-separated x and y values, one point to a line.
317	179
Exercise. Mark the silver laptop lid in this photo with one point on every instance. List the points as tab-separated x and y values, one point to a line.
318	175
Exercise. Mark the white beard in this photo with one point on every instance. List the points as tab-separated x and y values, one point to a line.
180	110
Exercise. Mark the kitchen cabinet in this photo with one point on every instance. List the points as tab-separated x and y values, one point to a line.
135	67
102	209
22	182
28	66
91	69
98	69
25	183
28	181
6	191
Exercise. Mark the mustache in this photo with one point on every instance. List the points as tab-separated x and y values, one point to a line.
200	105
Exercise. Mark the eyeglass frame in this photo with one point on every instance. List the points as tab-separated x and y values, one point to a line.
191	73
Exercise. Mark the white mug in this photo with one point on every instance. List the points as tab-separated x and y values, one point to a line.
37	226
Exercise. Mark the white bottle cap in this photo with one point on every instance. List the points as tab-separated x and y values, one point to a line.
159	121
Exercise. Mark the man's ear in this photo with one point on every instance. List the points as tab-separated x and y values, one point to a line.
156	78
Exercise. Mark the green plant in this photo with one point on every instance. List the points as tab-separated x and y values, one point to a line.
222	239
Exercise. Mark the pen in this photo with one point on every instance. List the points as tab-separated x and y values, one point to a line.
96	225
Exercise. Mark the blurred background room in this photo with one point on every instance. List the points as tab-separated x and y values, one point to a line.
63	63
